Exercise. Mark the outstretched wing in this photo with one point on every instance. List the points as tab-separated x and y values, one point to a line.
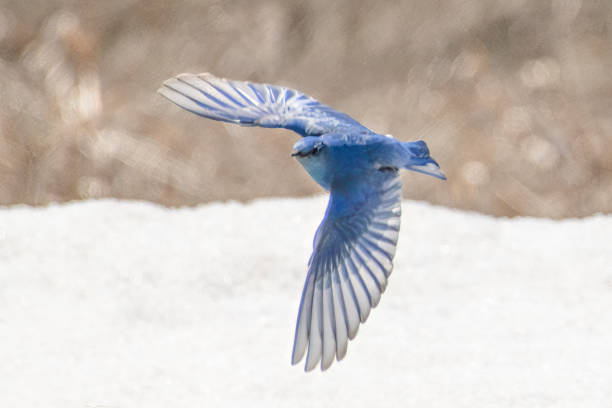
252	104
351	262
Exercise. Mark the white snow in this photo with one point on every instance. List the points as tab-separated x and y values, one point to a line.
127	304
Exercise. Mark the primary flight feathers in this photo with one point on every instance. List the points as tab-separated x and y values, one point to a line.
355	244
348	272
250	104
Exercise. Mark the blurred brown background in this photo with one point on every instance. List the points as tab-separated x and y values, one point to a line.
513	97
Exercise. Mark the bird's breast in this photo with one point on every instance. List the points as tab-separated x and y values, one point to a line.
318	169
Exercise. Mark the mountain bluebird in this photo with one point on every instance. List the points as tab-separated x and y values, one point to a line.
354	246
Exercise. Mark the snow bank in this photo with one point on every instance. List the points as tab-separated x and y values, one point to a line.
126	304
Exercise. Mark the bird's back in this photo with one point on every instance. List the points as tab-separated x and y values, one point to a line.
355	154
340	157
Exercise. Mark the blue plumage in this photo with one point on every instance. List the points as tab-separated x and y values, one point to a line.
355	244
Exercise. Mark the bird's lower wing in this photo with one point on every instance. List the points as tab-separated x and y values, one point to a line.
348	271
253	104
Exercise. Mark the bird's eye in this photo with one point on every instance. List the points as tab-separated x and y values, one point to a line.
317	148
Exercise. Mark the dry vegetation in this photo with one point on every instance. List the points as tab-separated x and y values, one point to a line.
513	97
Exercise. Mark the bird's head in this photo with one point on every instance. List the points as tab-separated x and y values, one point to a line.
312	153
308	148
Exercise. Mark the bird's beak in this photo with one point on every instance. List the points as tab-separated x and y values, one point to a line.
427	166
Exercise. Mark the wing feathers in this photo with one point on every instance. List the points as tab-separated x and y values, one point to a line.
363	296
302	330
341	329
329	332
252	104
314	334
348	272
350	302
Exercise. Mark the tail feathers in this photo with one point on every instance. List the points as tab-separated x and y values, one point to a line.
416	158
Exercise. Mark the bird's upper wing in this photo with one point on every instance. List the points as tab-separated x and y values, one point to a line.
352	259
252	104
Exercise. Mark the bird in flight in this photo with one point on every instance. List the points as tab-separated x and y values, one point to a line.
354	245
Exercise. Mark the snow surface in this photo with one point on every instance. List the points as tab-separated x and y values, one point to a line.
127	304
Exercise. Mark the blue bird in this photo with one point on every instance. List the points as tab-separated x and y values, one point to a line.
355	243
